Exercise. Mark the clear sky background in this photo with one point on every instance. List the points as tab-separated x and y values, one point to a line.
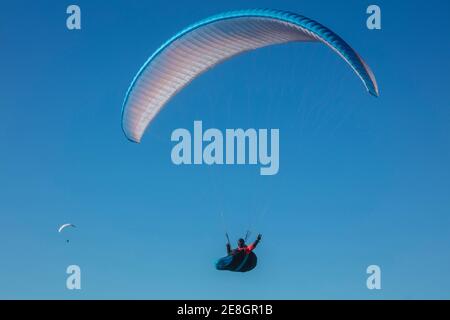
362	180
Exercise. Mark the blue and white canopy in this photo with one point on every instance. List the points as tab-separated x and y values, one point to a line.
208	42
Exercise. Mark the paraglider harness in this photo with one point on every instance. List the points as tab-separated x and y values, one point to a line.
241	259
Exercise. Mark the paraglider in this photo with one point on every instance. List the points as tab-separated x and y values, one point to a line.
213	40
205	44
65	226
241	259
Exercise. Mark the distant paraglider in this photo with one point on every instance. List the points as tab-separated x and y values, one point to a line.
65	226
213	40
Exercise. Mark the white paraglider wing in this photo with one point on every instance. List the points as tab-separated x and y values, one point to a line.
64	226
213	40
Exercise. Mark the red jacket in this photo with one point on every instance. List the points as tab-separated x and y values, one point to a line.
247	249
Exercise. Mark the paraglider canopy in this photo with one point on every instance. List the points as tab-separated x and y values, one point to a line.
208	42
64	226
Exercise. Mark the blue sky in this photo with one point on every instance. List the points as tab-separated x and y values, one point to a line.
362	180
